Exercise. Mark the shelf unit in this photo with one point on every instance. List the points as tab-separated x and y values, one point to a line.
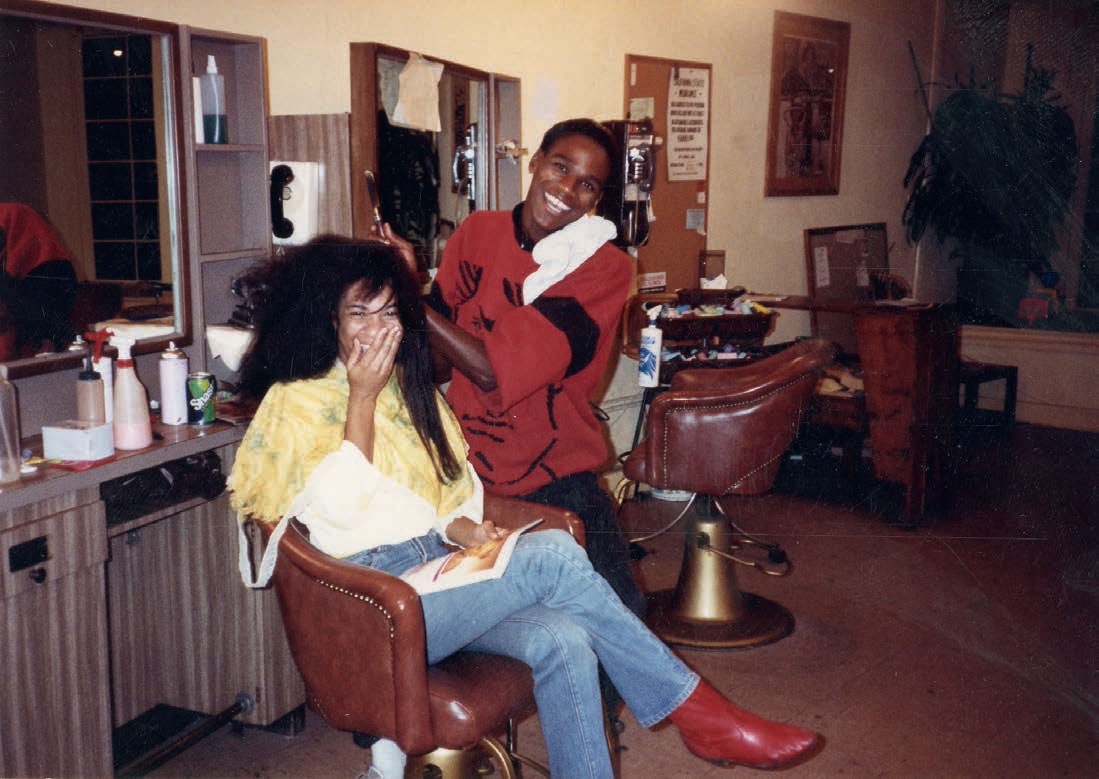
229	226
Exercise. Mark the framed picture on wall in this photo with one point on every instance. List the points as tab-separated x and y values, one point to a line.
808	82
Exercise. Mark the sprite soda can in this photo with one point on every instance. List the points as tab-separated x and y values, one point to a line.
200	398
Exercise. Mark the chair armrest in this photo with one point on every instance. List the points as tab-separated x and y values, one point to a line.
758	377
513	513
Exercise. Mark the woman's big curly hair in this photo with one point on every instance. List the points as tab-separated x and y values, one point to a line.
295	331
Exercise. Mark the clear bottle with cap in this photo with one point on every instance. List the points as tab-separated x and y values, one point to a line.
11	459
212	86
90	405
103	365
132	427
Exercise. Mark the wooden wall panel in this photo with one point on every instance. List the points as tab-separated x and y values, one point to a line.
45	508
323	138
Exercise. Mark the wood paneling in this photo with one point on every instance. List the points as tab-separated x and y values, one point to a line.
55	699
184	630
47	506
323	138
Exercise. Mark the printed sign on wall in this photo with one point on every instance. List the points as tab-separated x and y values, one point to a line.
688	120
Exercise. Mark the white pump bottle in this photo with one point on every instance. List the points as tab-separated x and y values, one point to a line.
652	337
132	428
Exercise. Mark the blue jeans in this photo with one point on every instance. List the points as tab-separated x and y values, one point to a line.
551	610
608	549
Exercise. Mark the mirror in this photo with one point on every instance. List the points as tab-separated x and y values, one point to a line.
89	203
430	179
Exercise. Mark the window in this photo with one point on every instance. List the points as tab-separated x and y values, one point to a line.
121	130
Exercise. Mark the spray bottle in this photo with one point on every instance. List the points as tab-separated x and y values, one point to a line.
648	367
102	364
132	428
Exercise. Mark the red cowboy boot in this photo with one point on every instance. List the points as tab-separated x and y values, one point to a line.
714	729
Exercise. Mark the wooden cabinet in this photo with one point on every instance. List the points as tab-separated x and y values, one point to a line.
102	622
184	631
55	701
909	359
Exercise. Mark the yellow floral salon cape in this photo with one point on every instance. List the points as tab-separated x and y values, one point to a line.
293	462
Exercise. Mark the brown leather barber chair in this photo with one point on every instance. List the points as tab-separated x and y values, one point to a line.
357	636
716	433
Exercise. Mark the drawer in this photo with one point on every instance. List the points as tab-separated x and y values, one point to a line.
51	548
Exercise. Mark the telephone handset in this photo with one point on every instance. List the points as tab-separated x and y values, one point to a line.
639	170
281	176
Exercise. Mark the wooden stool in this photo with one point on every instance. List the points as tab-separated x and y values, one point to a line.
971	375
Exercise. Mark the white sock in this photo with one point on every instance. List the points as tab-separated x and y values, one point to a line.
388	758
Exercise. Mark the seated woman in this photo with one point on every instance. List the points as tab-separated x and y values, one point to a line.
352	439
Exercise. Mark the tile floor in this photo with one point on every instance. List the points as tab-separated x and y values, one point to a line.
968	647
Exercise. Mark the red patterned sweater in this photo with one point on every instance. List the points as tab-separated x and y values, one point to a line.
548	356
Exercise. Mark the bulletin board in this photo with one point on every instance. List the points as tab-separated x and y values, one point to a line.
840	262
673	247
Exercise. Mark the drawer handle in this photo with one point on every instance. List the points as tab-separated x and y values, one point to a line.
38	575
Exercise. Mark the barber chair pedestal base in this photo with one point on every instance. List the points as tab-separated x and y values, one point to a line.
707	610
464	763
489	757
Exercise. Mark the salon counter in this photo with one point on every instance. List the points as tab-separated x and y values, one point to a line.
101	622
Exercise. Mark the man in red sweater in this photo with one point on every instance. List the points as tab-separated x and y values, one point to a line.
524	307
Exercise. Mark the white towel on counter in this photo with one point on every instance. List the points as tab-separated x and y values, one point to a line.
229	343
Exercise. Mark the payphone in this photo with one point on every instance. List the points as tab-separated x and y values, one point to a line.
629	187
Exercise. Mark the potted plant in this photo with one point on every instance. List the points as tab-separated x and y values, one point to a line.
994	173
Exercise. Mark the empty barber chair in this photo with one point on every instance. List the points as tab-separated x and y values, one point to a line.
357	636
715	433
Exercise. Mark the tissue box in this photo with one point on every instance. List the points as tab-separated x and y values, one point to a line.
76	440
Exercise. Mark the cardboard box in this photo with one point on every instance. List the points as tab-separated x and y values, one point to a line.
76	440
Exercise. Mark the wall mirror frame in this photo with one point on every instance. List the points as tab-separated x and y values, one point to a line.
53	160
467	96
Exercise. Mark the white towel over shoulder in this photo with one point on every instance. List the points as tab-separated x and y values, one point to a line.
562	252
